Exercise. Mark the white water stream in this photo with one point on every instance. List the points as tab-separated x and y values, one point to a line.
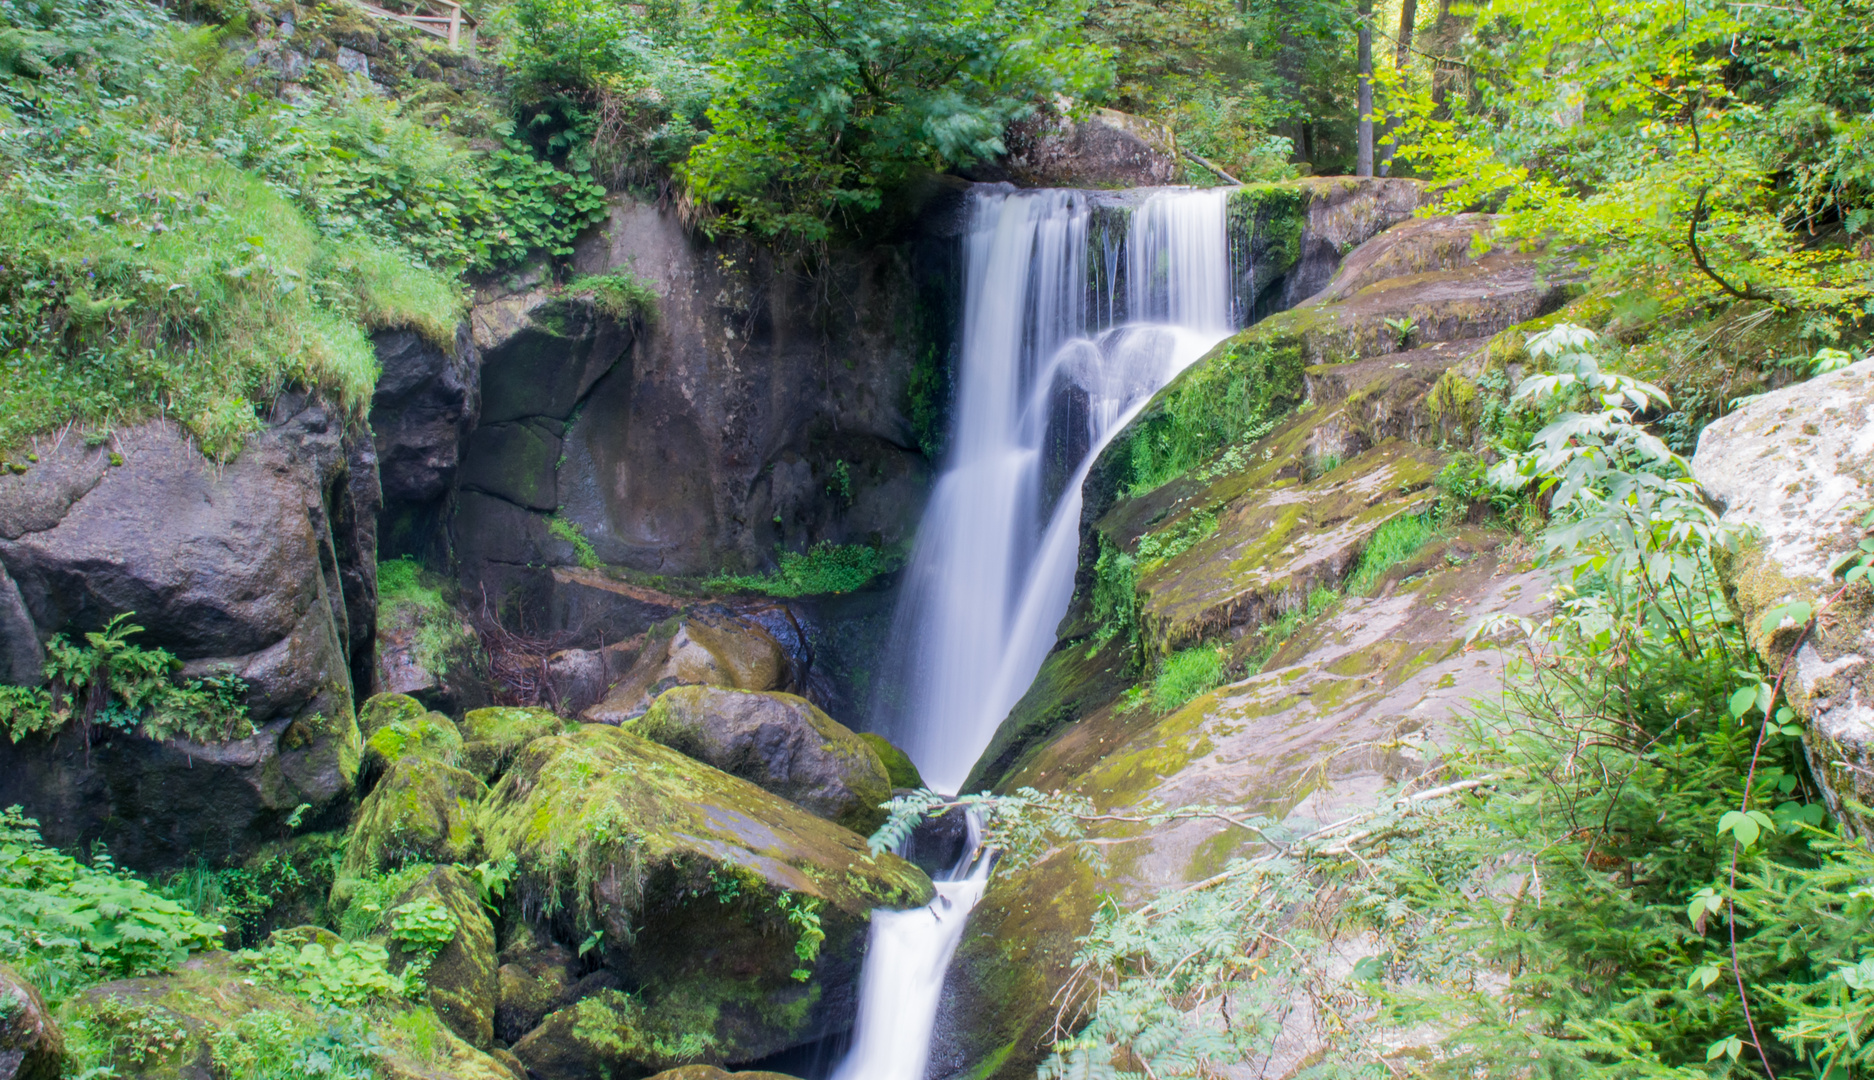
992	572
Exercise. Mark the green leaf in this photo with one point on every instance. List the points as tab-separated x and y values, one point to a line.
1742	827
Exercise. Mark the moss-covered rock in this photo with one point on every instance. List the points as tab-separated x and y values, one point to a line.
705	889
491	737
779	742
421	811
461	976
708	647
710	1072
31	1046
899	768
166	1027
428	737
382	710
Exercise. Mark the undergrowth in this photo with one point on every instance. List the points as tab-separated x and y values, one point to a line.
408	595
174	244
1239	390
823	568
622	295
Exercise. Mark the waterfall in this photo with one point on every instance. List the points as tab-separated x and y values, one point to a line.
1042	364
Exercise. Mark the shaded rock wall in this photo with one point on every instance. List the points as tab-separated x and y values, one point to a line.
265	566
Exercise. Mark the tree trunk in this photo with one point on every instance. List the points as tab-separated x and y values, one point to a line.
1408	17
1365	166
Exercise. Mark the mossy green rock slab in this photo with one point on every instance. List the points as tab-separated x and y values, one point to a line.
421	811
382	710
491	737
779	742
211	995
683	869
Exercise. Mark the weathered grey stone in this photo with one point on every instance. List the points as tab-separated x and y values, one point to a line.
1105	149
534	978
778	742
707	647
516	461
22	658
264	567
1795	464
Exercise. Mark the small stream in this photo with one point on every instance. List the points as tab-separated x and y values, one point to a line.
1053	362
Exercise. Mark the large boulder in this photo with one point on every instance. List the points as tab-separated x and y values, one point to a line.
264	566
1796	465
706	647
700	890
1105	148
421	810
31	1046
492	737
778	742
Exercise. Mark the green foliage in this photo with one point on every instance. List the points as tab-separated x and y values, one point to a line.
1706	154
823	568
269	1044
1167	544
246	899
1185	674
68	923
1632	877
1115	598
1239	83
178	245
346	975
622	295
928	407
408	593
822	107
1236	391
111	683
568	530
365	898
116	1032
1391	544
1271	636
422	928
803	914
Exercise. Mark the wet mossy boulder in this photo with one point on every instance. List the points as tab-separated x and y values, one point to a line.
461	975
779	742
430	737
899	768
31	1046
173	1026
710	1072
708	894
710	647
420	811
492	736
382	710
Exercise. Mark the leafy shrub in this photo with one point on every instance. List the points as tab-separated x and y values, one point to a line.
1115	598
422	928
622	295
271	1045
365	898
115	684
68	923
114	1032
1185	674
824	568
348	974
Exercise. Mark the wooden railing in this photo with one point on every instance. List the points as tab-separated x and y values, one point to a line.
451	26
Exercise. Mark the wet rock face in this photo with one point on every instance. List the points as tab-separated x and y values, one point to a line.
1795	464
265	566
778	742
1106	149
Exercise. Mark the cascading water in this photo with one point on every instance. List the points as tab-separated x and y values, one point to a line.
993	569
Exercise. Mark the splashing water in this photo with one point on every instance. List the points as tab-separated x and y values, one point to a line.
1040	391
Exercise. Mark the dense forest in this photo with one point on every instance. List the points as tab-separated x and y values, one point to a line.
1637	860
